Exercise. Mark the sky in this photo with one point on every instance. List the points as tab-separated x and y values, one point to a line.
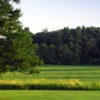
57	14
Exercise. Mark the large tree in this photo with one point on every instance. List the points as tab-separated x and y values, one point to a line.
16	48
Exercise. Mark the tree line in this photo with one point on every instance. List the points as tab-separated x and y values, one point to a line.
80	45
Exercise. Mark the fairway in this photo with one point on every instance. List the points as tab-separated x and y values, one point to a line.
49	95
86	74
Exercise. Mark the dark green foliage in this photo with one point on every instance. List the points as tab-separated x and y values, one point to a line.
70	46
16	48
95	61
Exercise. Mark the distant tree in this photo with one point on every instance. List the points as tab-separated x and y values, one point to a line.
52	54
26	29
45	30
44	52
66	32
64	58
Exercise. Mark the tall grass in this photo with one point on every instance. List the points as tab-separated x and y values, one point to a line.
47	84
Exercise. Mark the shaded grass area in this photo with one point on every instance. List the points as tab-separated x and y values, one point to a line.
49	95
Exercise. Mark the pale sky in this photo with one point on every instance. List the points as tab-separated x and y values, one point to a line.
57	14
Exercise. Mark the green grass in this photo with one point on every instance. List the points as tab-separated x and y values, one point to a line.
86	74
49	95
51	75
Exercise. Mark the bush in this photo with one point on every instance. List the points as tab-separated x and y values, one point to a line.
95	61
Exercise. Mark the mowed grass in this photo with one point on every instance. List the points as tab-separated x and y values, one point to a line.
86	74
49	95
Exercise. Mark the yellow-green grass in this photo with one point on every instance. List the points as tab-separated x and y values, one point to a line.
44	84
49	95
47	84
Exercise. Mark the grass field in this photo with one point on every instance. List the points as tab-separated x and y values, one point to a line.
49	95
86	74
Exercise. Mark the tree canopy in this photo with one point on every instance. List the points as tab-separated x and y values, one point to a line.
69	46
16	48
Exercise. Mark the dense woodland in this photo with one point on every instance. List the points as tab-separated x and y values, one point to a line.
69	46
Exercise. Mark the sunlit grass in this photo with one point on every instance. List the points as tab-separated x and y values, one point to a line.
55	77
48	84
49	95
87	74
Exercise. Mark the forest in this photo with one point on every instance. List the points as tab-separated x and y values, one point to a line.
67	46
